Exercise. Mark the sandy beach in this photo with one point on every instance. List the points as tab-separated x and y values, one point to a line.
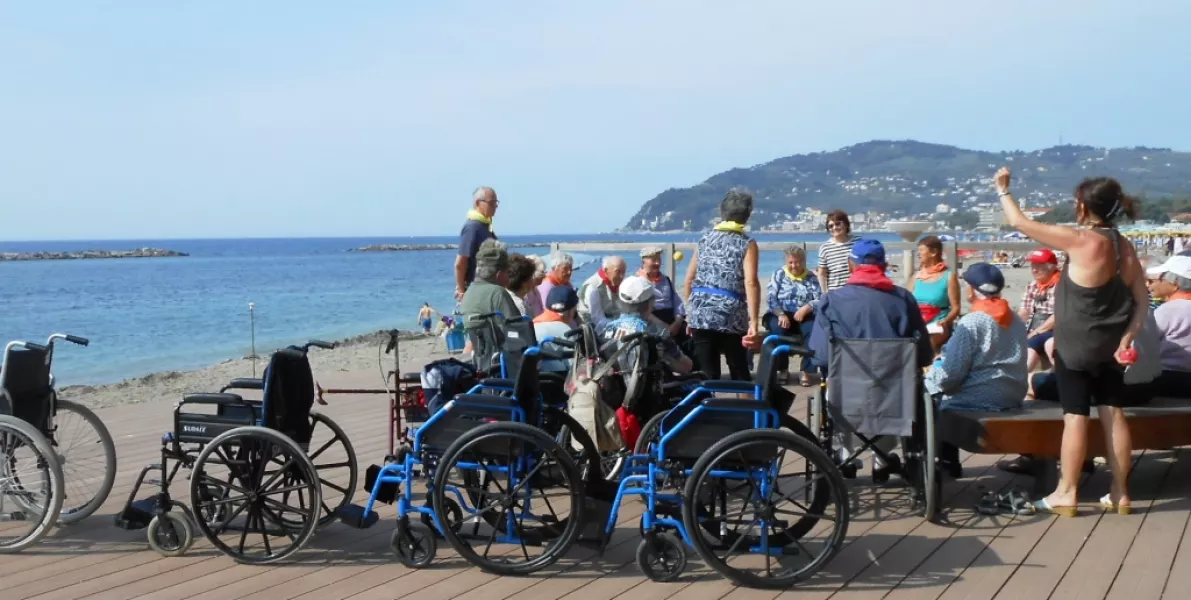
353	360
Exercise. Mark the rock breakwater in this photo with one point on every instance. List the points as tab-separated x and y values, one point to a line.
85	254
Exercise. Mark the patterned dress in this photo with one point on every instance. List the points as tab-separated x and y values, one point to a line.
717	301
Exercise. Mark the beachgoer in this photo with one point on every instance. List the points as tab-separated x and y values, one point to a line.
558	319
1173	281
476	230
1100	306
598	300
792	294
425	318
667	304
562	266
723	293
834	268
868	306
937	289
487	293
1037	309
636	295
520	281
534	300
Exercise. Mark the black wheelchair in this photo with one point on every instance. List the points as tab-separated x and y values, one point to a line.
712	450
255	488
57	459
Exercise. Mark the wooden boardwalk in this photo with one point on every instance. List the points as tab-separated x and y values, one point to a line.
890	553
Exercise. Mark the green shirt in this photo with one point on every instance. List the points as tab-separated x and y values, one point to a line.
482	298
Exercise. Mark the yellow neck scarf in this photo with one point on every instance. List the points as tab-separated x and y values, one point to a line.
475	215
794	277
732	226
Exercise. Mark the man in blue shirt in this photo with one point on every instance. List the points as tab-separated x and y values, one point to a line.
476	230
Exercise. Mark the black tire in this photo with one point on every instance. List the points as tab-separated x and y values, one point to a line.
661	557
413	543
249	488
931	482
334	495
476	444
567	428
75	509
649	433
20	441
451	517
767	439
170	534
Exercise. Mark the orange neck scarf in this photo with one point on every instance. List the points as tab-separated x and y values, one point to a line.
997	308
549	316
931	271
1049	283
1179	296
555	280
652	277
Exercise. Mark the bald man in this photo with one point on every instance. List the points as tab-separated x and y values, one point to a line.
476	230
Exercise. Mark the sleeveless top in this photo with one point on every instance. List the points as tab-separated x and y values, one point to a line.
717	300
934	293
1089	322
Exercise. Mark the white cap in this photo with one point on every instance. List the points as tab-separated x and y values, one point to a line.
1179	265
635	290
650	251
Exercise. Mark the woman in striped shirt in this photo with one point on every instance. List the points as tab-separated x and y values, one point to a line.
833	254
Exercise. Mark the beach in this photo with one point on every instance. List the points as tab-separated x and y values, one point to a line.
352	360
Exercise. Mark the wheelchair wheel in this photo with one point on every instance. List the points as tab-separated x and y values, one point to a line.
88	457
661	557
170	534
413	543
928	482
334	460
767	554
31	488
269	487
566	428
517	464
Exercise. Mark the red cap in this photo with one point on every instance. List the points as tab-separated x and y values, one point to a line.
1043	255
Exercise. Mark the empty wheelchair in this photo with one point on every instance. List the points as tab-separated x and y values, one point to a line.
485	458
874	393
57	459
256	493
740	481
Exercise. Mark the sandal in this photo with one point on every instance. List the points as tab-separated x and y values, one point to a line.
1121	509
1011	502
1044	506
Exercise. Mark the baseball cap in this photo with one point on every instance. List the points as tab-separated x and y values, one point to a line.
562	298
1179	265
651	251
635	290
868	252
986	278
1042	256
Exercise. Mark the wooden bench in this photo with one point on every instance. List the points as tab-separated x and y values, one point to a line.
1037	430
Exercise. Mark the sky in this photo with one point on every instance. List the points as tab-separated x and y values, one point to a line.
156	120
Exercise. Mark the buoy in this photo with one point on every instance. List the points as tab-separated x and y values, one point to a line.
677	255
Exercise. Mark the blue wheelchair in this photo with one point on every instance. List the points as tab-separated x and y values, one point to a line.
709	451
487	456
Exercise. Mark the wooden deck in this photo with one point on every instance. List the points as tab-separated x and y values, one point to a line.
890	553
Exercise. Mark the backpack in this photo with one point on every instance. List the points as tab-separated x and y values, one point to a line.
587	405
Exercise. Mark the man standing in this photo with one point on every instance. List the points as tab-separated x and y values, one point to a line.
476	230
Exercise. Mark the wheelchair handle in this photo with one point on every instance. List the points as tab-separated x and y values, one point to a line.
794	349
781	339
319	344
632	337
557	342
574	333
393	333
74	339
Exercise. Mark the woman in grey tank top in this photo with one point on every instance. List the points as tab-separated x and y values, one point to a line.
1100	305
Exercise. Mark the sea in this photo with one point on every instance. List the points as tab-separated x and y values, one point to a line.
145	315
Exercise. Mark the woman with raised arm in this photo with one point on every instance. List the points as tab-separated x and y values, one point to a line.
1100	305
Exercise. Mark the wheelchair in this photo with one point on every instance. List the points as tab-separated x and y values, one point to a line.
876	393
711	447
43	479
496	431
252	466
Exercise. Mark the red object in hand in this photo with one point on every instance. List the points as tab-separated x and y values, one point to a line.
1128	357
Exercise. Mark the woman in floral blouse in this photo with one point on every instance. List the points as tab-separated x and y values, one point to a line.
793	294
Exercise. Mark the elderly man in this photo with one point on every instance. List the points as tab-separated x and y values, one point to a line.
487	294
1037	309
561	267
1173	319
598	296
667	305
556	321
476	230
637	296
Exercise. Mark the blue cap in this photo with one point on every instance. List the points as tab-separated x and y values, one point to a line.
868	252
562	298
986	278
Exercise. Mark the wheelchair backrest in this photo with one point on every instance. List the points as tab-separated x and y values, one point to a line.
487	337
527	387
874	385
27	384
288	394
518	336
766	376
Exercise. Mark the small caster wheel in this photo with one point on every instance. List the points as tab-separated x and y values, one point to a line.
848	470
661	558
413	543
170	534
453	519
882	474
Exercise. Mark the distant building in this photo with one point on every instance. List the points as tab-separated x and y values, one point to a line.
991	219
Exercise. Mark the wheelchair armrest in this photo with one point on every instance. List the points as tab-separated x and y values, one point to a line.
558	378
244	383
684	377
211	398
719	385
735	403
497	382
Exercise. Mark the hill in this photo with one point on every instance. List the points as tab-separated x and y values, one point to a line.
909	178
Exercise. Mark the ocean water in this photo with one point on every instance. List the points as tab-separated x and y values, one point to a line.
144	315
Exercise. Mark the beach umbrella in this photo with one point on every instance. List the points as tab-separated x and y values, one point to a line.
1016	235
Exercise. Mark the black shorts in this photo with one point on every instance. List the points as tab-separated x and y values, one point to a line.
1080	390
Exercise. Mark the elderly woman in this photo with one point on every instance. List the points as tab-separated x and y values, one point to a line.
1101	303
936	287
534	301
520	281
1038	306
561	268
723	293
793	293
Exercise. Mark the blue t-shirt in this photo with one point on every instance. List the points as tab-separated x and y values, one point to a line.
473	234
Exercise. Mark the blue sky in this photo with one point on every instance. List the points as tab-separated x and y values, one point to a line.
226	119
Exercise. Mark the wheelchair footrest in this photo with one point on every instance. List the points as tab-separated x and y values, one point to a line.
136	515
668	508
595	518
353	515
